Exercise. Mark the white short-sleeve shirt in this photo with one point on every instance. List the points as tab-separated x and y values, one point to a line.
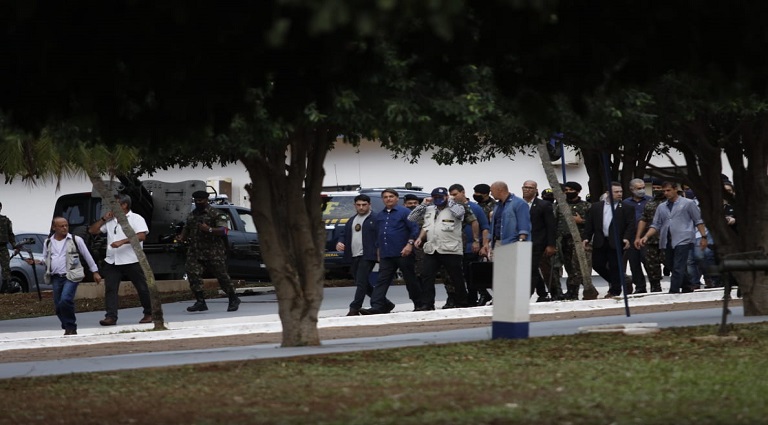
124	254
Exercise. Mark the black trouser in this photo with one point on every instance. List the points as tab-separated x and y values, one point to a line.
537	281
636	259
606	264
112	276
467	261
361	270
387	268
453	266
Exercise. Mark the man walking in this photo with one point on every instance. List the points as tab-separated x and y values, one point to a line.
635	256
62	254
358	242
441	237
653	255
610	223
121	260
580	211
543	233
511	220
395	239
476	237
206	231
675	221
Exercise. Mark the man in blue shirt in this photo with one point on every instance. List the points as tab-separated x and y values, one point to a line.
674	221
394	242
511	220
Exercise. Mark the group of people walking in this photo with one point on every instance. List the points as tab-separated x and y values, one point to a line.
421	237
63	255
446	232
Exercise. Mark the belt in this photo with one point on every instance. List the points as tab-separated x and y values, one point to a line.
64	275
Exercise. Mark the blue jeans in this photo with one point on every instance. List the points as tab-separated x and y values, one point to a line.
677	260
698	261
64	301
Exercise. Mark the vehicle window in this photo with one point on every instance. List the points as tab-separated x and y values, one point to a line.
247	218
74	214
36	247
337	207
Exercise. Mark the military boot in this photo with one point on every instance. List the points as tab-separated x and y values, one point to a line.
572	293
588	294
556	292
200	304
234	302
655	286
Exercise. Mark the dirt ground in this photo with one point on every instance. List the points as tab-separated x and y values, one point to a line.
111	349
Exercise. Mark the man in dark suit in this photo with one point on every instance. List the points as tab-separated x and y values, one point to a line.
543	234
358	242
610	223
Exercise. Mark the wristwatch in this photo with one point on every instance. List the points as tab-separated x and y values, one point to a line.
410	242
210	230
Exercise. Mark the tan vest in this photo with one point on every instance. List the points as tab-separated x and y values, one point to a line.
444	232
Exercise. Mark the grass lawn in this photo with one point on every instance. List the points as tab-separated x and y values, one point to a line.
665	378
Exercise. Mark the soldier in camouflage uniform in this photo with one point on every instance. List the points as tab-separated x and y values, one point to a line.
206	231
551	267
6	237
580	211
483	198
654	256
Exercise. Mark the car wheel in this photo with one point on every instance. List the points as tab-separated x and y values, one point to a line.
18	284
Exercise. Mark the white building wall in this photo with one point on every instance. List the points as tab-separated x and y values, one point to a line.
30	207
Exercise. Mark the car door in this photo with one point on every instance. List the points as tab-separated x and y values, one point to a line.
244	259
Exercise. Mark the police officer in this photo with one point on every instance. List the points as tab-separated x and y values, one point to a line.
206	231
6	237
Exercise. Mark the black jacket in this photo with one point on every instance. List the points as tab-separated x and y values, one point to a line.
593	228
543	224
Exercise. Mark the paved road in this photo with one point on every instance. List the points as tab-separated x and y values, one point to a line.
259	314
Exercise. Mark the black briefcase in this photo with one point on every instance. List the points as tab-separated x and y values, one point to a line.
481	274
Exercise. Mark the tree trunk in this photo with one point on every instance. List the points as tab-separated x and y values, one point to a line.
154	294
702	152
590	292
285	187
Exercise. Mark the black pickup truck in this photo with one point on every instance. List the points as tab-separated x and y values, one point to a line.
165	206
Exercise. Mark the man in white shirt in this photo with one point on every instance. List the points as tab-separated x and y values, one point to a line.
121	260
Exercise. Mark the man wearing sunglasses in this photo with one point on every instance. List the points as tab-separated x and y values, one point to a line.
121	260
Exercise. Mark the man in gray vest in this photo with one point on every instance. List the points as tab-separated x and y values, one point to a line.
441	238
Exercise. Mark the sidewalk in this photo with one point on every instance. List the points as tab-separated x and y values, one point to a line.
258	315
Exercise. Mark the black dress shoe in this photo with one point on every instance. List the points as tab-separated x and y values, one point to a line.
484	299
543	299
370	311
390	307
353	312
425	308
